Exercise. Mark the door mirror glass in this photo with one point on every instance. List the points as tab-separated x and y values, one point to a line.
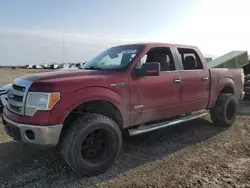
148	69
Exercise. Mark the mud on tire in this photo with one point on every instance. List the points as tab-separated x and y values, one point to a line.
225	110
92	144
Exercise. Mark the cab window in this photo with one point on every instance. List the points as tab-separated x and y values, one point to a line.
189	59
161	55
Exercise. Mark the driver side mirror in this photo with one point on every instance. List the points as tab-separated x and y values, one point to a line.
148	69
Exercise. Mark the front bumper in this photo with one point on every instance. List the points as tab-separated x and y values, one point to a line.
3	100
32	134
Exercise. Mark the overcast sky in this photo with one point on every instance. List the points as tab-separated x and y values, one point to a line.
32	32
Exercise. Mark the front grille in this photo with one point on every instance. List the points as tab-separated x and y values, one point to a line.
17	94
16	108
17	98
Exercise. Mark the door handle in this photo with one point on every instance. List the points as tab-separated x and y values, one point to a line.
205	78
177	80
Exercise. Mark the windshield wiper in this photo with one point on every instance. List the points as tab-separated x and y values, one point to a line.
93	68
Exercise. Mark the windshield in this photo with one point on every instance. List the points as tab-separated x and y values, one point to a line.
115	58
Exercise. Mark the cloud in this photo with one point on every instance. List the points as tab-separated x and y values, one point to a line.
32	46
215	27
42	46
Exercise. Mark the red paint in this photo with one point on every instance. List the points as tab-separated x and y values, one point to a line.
142	100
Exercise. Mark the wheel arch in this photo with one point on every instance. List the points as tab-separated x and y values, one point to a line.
224	86
100	106
103	107
96	100
227	89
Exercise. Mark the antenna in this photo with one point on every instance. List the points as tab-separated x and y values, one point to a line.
63	50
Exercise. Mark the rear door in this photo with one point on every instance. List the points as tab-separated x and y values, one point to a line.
194	80
157	97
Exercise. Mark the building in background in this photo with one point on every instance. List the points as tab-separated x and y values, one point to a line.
208	59
233	59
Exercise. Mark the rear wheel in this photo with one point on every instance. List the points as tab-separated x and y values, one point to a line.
225	110
92	144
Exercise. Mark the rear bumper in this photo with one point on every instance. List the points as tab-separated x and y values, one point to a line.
242	95
32	134
247	92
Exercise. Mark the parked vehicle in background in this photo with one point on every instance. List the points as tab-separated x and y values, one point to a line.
247	86
29	66
3	94
78	64
67	68
45	66
64	65
72	65
37	67
135	88
54	66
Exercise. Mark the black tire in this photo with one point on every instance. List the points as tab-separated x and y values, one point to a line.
225	111
78	144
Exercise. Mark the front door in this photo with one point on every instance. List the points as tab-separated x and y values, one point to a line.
157	97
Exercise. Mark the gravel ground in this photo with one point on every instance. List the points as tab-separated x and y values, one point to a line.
194	154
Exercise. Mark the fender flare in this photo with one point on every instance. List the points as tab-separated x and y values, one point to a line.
221	84
97	93
226	82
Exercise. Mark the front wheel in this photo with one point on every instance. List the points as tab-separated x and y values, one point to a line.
92	144
225	110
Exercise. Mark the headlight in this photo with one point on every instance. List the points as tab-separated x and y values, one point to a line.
40	101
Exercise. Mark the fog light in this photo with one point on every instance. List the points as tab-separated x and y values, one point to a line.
30	135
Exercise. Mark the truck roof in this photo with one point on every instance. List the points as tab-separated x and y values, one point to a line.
158	43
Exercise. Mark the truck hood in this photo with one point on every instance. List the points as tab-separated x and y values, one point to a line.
69	74
72	80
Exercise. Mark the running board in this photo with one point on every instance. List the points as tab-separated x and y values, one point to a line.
152	127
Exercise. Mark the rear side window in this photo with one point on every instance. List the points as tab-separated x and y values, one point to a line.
190	59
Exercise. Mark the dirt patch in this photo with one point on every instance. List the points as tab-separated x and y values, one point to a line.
196	154
8	75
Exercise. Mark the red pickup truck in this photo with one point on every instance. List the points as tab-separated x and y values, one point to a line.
135	88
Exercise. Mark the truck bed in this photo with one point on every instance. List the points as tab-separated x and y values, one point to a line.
229	78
